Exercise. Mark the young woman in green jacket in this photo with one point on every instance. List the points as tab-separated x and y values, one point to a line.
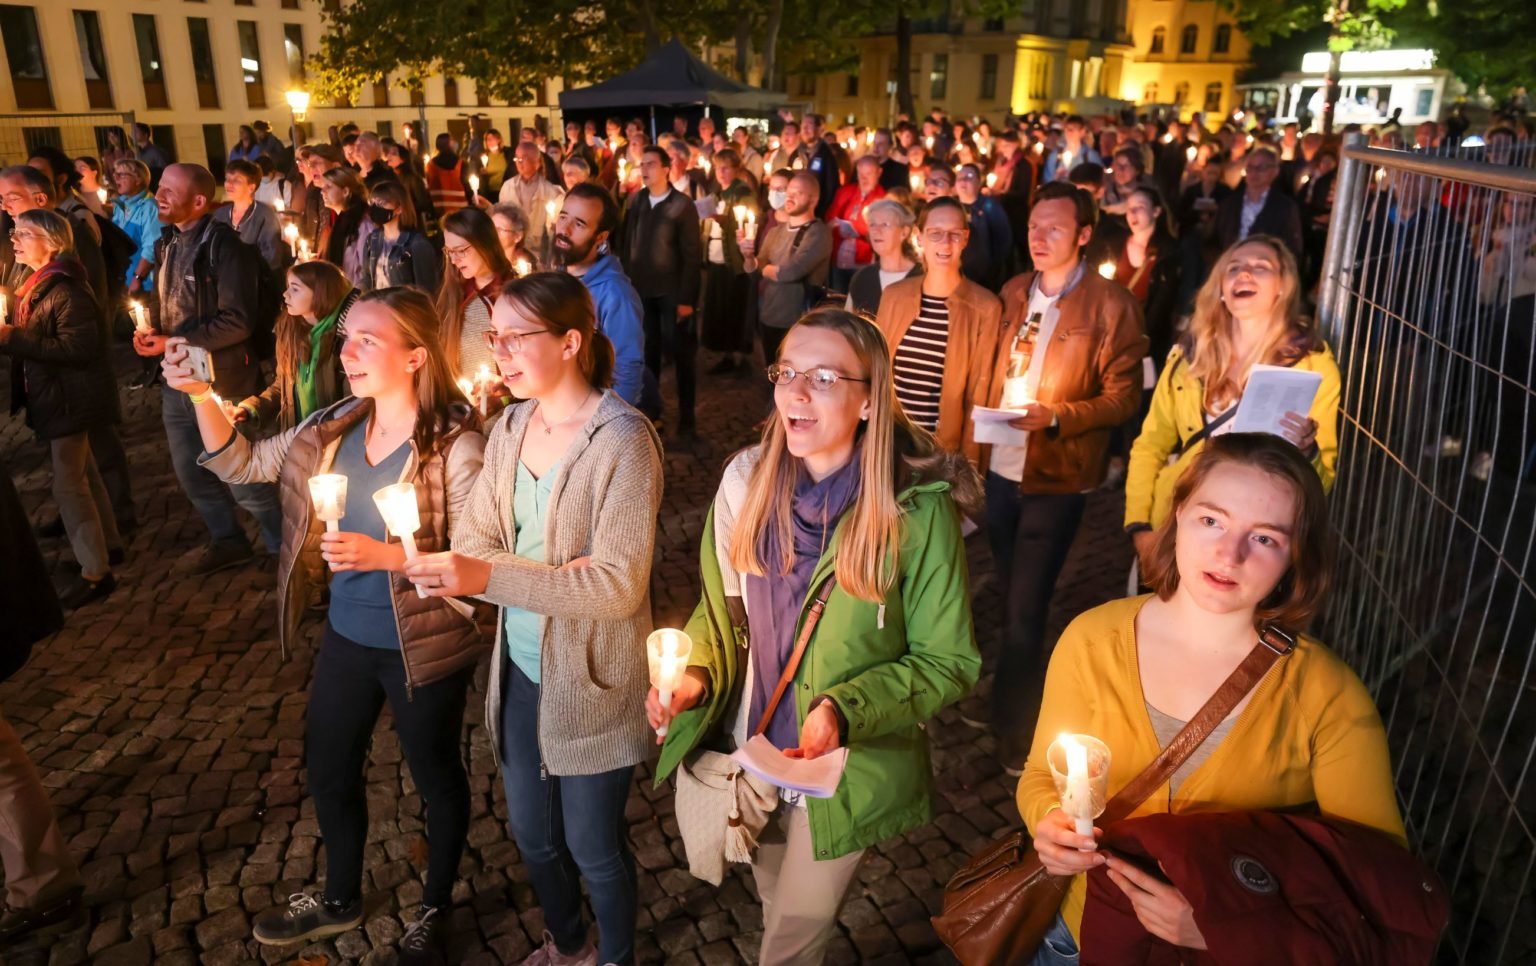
840	468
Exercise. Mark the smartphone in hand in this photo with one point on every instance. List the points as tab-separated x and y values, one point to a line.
199	362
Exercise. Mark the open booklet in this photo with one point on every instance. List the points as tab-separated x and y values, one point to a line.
1273	391
817	777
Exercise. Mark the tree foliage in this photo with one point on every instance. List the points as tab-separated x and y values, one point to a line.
1480	41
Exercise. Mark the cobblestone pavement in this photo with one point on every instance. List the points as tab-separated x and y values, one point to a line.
169	732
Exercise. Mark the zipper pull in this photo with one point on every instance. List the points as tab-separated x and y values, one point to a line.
543	772
880	618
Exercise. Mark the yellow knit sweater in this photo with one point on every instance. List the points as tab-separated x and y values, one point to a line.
1310	736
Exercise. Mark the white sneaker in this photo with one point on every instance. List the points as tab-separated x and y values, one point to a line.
1482	467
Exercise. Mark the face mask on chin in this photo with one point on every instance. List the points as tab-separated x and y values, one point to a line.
776	200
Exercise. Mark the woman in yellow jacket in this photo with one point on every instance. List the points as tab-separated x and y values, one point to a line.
1248	312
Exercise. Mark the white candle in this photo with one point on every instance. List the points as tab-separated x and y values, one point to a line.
303	253
1107	269
552	209
426	159
667	650
140	315
397	505
928	143
328	492
5	317
740	212
917	182
869	138
485	159
101	195
1190	152
474	184
992	179
704	163
483	380
521	267
623	169
1079	794
468	389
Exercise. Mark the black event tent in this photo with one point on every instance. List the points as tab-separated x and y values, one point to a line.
670	78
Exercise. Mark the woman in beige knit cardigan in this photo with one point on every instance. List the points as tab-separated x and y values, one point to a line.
559	534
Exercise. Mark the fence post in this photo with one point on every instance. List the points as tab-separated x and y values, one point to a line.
1340	232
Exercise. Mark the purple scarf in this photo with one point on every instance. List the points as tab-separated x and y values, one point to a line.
774	602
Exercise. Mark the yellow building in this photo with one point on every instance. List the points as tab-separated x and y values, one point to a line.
1188	54
1056	55
194	70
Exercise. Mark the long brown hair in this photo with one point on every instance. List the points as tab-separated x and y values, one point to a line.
894	452
476	228
1299	594
437	394
329	287
563	304
1208	346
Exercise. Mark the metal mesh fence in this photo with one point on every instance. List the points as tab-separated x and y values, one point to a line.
74	134
1429	299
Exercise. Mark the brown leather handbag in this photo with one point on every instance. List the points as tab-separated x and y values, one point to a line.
999	905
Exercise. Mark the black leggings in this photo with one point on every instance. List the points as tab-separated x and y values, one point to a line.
351	684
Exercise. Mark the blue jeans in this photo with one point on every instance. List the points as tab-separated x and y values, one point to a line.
1030	535
1058	948
212	498
565	825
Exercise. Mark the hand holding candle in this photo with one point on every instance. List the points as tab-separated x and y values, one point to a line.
667	651
1084	785
328	491
140	315
397	505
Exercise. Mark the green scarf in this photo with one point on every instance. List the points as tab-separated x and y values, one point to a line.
304	394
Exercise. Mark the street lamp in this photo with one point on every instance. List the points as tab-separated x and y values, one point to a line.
298	103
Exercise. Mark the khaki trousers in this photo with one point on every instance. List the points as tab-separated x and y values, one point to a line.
38	868
800	895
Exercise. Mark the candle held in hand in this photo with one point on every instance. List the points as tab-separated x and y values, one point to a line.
484	381
521	267
1084	784
474	184
552	209
140	315
397	505
1107	269
101	195
5	310
328	492
667	651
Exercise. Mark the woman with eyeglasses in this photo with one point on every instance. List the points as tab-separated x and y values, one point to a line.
382	643
477	269
512	231
399	252
891	235
942	330
558	535
843	487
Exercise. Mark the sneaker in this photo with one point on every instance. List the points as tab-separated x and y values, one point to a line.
80	591
305	918
221	556
550	955
976	711
17	925
423	940
1482	467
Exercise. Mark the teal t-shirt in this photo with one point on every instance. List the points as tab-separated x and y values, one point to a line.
522	629
361	609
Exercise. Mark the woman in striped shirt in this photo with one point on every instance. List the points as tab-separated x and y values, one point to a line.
943	331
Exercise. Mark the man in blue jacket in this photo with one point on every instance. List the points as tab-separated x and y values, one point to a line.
588	218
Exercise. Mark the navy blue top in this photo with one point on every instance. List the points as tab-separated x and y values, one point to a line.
361	610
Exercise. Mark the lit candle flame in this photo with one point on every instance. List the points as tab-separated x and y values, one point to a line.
474	184
1107	269
521	267
101	195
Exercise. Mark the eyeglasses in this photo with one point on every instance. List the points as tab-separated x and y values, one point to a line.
457	252
21	233
938	237
820	379
511	343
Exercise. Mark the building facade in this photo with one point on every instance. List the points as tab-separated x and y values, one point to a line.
194	70
1187	56
1088	56
1053	55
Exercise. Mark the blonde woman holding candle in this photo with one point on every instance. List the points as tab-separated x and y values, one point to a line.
1247	544
558	534
843	484
382	641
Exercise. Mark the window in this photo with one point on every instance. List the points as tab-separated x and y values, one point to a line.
381	93
164	136
1188	39
1424	101
93	59
1223	42
290	4
988	77
938	77
37	137
993	25
385	129
1213	98
450	91
250	64
851	86
293	51
1149	94
418	98
806	85
244	3
482	96
202	62
213	146
1181	94
150	69
1159	37
24	49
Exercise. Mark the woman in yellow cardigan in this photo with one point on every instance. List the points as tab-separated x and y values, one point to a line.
1248	312
1247	544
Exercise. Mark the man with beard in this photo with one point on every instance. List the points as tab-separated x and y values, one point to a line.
588	218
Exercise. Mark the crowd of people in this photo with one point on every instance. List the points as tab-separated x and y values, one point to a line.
490	323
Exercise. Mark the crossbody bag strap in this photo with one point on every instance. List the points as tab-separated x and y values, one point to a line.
793	664
1273	645
1205	431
